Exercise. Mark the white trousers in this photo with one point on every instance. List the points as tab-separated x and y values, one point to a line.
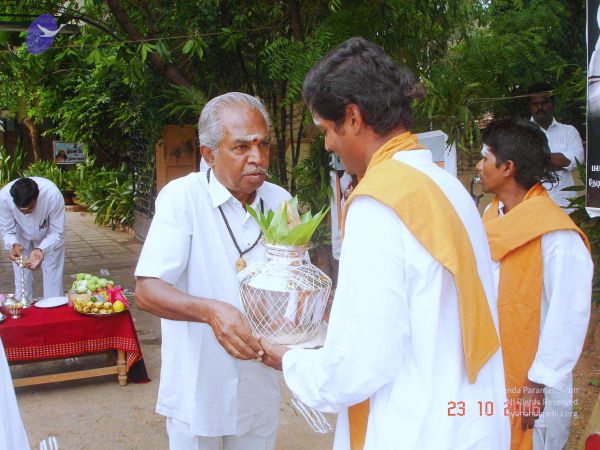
180	438
551	430
52	271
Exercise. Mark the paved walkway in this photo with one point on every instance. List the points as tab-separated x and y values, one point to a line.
98	414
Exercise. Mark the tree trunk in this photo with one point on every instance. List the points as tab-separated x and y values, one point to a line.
168	70
295	22
296	144
35	139
283	141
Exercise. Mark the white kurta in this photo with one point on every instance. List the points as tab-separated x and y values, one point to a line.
188	246
565	139
394	336
43	228
12	431
565	313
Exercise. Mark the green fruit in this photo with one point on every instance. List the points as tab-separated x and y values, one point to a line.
102	282
111	282
87	276
95	279
80	276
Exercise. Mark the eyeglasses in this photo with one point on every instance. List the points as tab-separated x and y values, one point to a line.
27	209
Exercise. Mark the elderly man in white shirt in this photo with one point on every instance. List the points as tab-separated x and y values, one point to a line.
212	390
32	224
564	141
395	365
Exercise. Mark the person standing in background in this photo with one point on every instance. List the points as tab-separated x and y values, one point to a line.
564	141
32	225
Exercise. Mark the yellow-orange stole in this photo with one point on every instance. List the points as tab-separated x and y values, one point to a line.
516	242
428	214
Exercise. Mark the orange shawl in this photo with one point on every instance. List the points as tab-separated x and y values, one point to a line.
416	199
516	242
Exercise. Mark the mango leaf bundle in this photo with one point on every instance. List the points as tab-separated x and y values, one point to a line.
285	226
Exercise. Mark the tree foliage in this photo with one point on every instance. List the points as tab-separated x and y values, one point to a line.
513	45
137	65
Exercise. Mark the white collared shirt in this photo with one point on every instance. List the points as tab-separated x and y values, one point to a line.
44	226
394	336
565	139
188	246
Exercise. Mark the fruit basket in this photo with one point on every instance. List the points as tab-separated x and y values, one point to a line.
95	296
98	308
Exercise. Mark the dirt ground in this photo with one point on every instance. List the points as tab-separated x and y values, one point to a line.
98	414
586	381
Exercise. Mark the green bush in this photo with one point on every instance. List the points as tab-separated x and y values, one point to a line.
10	165
108	194
313	188
48	170
80	181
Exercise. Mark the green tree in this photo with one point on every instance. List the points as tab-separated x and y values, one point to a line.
25	89
144	64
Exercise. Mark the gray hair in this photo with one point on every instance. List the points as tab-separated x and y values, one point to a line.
210	128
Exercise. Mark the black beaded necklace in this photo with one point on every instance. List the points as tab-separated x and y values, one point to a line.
240	264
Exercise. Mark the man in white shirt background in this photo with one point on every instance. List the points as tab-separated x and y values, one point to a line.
212	390
564	141
32	224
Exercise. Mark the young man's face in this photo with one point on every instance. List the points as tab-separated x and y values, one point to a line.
338	141
491	177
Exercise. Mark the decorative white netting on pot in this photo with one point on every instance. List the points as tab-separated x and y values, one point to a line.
284	297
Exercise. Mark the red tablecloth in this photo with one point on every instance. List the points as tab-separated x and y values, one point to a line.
61	332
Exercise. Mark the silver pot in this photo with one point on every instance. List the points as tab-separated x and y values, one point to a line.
284	297
12	306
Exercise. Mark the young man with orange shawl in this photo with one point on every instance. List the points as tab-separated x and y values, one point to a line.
412	345
544	272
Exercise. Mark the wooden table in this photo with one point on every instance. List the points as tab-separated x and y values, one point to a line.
43	334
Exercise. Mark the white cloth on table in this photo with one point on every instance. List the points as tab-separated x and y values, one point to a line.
394	336
188	246
564	318
12	431
565	139
43	228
